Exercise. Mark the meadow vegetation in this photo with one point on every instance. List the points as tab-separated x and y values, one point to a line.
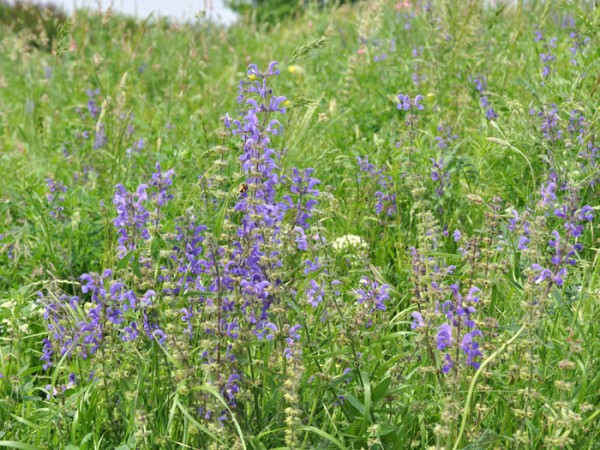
366	226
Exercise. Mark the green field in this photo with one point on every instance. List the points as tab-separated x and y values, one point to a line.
387	240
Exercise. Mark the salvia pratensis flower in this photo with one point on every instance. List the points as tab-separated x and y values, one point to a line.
55	198
459	314
418	321
372	294
547	57
440	175
385	197
224	292
132	217
406	104
92	107
481	87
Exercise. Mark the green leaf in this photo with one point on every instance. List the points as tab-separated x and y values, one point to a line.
381	390
367	387
325	435
20	445
155	247
385	429
125	260
195	423
218	396
355	404
483	441
516	150
340	351
135	267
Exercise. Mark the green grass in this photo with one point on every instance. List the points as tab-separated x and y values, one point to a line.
356	384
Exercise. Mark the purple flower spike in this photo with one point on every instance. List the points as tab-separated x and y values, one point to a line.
372	294
472	295
252	70
444	337
418	320
273	70
586	213
471	348
523	242
448	363
417	101
406	104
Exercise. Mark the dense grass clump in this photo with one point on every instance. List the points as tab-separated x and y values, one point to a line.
374	226
40	25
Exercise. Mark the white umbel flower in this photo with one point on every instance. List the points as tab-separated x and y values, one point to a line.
349	241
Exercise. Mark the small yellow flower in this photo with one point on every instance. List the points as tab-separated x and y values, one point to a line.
295	69
252	77
287	103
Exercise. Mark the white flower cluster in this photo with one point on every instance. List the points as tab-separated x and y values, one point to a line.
349	241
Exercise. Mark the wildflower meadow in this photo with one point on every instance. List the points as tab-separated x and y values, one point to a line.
364	225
